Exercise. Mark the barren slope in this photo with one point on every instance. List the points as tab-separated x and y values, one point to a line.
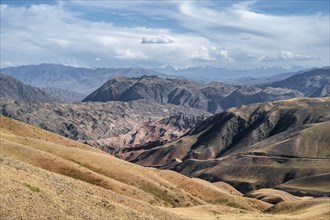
212	97
310	83
254	146
109	126
14	89
30	145
44	175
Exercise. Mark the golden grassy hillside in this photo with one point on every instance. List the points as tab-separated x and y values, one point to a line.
44	175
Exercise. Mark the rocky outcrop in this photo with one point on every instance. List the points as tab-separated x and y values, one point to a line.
110	126
149	134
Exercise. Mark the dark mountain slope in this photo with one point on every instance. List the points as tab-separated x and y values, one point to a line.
13	89
253	146
309	83
212	97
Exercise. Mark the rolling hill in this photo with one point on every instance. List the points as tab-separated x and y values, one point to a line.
281	144
54	177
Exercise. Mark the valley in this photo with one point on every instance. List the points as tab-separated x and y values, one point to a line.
164	110
67	179
267	160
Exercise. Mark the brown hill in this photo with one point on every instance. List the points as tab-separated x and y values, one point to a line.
254	146
305	209
44	175
111	181
273	196
109	126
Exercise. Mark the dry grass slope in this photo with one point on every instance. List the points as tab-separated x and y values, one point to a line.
44	175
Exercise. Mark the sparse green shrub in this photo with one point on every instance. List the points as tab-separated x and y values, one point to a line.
33	188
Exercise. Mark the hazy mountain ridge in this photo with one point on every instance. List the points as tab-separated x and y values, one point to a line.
64	94
210	97
257	81
211	73
14	89
309	83
80	80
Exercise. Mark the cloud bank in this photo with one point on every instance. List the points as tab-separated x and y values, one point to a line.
148	33
286	56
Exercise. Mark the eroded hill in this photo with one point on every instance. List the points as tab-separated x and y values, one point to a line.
109	126
281	144
44	175
212	97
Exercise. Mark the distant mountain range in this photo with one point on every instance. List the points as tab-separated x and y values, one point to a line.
267	79
314	83
64	95
14	89
211	73
79	80
212	97
86	80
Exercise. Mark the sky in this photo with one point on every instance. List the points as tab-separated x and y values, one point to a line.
228	34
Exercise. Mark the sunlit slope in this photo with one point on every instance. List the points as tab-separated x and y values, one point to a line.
255	146
44	175
31	145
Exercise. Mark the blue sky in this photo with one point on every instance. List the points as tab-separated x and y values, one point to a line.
229	34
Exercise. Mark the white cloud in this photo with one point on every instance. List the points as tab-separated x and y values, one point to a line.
211	54
130	55
286	56
55	35
7	63
156	40
198	33
247	33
